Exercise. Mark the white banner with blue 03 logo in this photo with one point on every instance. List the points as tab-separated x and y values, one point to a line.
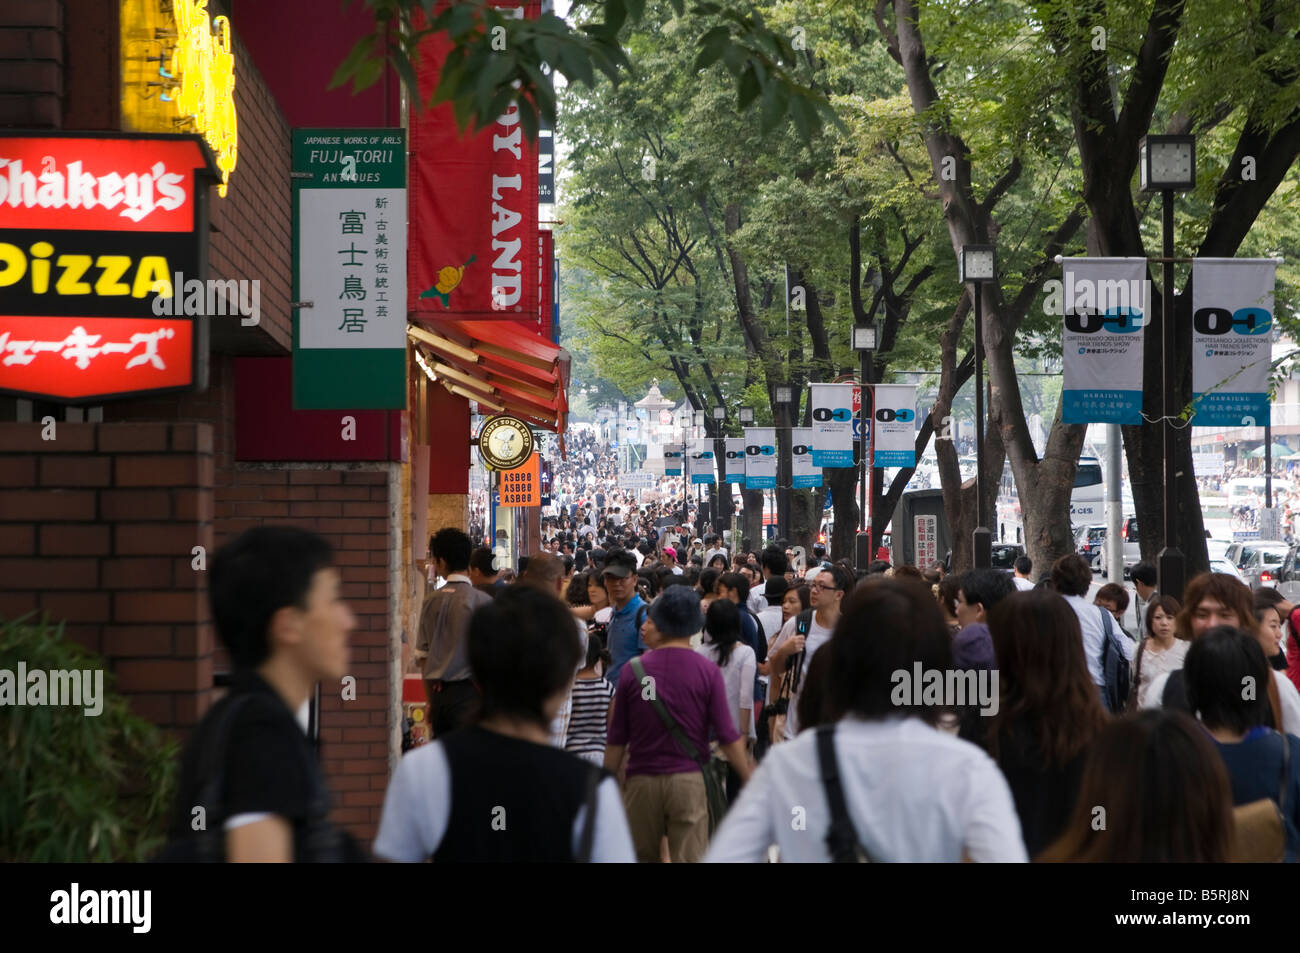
1106	303
803	472
760	458
736	460
673	454
699	461
832	416
1232	340
895	420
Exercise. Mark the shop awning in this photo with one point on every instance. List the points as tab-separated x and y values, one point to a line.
499	364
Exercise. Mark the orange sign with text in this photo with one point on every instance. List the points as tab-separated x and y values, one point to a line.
523	485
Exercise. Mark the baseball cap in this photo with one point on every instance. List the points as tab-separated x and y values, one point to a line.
619	563
669	551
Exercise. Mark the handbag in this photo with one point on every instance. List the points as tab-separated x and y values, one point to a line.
776	713
715	788
1261	825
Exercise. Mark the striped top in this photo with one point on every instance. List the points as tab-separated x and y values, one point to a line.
591	698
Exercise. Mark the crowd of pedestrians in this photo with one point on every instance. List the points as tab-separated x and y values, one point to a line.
666	701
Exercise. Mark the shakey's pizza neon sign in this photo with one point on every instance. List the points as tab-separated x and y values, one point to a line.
92	229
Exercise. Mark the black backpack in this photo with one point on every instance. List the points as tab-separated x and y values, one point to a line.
1114	666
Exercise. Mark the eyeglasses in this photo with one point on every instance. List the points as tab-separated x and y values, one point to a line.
818	585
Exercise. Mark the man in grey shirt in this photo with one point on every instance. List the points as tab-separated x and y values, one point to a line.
441	647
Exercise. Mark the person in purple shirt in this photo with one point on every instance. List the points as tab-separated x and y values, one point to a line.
664	793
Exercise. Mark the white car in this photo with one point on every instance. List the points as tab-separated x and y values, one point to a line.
1227	568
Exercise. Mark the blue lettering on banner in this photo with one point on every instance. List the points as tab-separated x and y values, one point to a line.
894	458
832	458
1102	406
1230	409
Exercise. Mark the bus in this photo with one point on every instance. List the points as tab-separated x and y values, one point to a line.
1087	501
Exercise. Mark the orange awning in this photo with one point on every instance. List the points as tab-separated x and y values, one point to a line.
498	364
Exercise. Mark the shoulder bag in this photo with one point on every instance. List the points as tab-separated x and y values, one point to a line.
1261	825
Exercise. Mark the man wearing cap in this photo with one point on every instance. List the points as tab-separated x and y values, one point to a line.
665	794
625	642
670	560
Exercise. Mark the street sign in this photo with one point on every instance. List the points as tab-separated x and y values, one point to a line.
637	480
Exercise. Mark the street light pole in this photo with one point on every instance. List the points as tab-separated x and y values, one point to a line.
1172	567
864	342
784	398
977	266
1167	164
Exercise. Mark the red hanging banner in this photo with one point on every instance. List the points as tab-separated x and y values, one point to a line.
473	207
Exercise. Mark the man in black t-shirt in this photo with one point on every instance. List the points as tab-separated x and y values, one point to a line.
251	788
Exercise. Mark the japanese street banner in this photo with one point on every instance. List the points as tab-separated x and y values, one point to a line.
349	198
1232	343
760	458
895	426
736	460
803	472
832	414
673	454
1106	303
473	205
700	461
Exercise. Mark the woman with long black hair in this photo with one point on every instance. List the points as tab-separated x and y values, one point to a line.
723	645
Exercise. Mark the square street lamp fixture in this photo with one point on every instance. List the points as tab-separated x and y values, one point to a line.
783	395
1167	162
864	337
975	263
719	413
747	415
699	418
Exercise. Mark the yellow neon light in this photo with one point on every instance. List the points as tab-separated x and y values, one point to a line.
178	74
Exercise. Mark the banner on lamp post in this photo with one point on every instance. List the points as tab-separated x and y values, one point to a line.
736	460
1106	303
895	417
673	453
832	429
700	461
803	472
760	458
1232	341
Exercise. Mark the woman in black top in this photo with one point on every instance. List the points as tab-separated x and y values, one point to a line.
1218	665
1048	712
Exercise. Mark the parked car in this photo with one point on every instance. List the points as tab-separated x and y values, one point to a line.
1087	542
1132	552
1263	563
1225	567
1288	574
1217	548
1005	556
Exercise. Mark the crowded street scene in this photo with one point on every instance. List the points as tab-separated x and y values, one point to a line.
533	432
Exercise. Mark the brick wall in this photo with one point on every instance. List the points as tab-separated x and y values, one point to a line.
97	528
31	50
350	505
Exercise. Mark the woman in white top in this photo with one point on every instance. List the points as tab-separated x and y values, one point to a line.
1159	653
911	793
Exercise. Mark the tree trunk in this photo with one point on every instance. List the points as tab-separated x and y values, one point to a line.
843	482
752	518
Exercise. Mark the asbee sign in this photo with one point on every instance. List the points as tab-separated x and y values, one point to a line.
92	231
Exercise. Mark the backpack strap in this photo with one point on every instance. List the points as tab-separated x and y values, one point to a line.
666	716
841	837
1286	772
594	777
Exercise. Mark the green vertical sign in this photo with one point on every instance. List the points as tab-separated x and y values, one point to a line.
349	277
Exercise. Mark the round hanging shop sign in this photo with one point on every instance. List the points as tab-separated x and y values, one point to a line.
505	442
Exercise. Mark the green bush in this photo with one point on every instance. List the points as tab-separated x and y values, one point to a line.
73	787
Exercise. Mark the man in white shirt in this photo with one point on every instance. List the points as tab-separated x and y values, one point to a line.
1024	566
770	616
1072	577
827	592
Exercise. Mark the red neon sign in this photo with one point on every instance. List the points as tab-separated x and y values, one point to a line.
81	357
117	184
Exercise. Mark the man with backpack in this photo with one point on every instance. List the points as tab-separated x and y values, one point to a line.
251	788
1109	655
